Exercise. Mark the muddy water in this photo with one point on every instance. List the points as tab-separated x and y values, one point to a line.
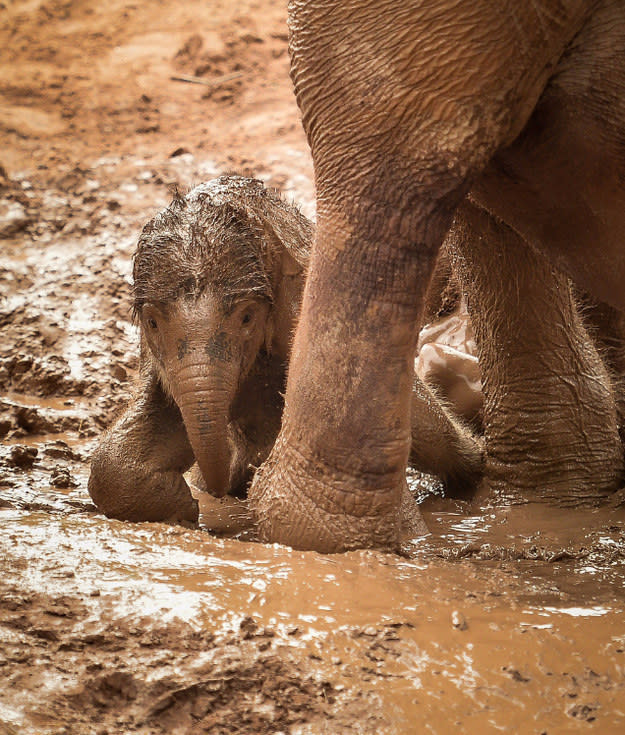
475	629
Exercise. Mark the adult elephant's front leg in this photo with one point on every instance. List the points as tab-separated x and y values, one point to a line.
336	477
402	103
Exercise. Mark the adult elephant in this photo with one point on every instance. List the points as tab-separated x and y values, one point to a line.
409	106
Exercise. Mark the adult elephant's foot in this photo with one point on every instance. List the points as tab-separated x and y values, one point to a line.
306	505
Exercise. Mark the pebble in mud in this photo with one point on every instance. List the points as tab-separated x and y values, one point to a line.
61	478
458	620
13	218
22	456
5	425
61	450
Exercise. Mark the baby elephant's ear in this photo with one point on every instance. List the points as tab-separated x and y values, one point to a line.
288	234
288	239
292	231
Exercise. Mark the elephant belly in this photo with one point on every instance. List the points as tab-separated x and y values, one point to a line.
561	184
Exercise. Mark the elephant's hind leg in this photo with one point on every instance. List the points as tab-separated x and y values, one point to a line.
550	414
607	328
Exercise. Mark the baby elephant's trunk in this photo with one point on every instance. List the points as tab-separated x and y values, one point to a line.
204	401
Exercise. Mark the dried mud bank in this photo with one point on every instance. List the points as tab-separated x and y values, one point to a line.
108	627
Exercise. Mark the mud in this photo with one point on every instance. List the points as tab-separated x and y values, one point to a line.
110	627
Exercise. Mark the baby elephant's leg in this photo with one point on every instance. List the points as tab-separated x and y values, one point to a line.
136	470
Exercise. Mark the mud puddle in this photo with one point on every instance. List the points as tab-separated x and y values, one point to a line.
147	628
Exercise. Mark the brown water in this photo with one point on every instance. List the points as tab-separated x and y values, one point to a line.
476	629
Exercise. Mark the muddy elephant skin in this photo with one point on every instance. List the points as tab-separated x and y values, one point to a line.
218	281
410	108
218	278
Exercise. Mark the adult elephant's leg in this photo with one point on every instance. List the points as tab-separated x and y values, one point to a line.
402	103
607	329
550	415
336	475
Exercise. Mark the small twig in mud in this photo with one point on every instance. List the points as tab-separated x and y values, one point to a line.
216	82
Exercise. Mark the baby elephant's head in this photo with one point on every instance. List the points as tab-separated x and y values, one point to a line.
218	277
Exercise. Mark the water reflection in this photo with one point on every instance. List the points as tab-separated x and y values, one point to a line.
385	624
579	612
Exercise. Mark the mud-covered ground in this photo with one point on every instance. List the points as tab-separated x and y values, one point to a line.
108	627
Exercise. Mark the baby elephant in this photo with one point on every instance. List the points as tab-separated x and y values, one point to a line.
218	278
218	281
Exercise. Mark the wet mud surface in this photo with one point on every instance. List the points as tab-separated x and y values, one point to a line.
498	620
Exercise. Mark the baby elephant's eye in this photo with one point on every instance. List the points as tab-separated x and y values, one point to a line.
150	316
247	318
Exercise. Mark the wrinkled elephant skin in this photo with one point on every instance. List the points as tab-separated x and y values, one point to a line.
409	108
217	283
